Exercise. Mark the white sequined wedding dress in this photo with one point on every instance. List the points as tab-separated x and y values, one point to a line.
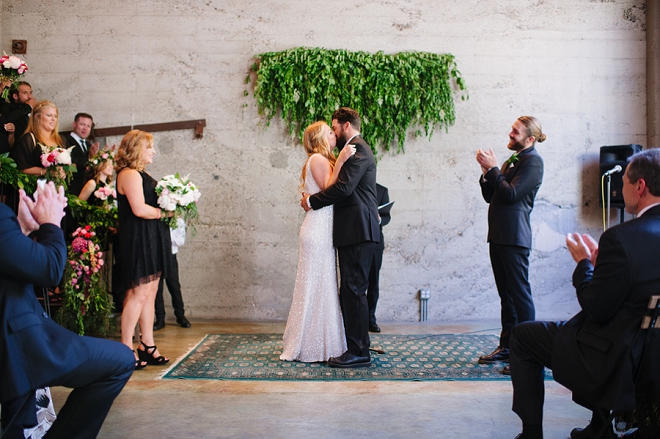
315	329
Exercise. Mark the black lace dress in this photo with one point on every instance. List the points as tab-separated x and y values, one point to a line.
143	243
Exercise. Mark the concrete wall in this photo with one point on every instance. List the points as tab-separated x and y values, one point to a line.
579	66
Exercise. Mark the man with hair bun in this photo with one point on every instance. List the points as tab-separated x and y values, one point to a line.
510	193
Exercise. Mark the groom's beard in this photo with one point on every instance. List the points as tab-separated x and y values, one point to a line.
341	141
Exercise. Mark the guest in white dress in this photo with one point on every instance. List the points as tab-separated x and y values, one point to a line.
315	330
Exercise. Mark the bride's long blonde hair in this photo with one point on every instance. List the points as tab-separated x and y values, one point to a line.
315	142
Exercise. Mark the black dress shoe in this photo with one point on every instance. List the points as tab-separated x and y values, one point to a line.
183	322
506	370
590	433
373	327
159	324
499	355
347	360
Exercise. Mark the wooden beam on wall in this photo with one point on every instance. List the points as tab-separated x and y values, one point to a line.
198	125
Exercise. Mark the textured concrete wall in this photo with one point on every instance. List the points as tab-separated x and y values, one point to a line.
653	73
579	66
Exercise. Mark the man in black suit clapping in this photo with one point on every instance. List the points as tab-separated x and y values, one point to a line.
355	234
599	353
510	193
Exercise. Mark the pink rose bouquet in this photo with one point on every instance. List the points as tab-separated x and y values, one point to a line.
11	69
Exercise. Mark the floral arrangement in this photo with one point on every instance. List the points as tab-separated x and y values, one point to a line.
105	192
57	162
178	195
87	305
12	68
55	156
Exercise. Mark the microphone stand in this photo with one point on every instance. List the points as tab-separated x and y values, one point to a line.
607	209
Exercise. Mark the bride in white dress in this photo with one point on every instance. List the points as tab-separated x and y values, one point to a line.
315	330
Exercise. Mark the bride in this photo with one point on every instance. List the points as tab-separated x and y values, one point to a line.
315	330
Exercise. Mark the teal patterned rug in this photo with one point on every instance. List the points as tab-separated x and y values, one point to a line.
406	357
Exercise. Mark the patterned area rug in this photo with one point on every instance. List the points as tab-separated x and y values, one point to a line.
406	357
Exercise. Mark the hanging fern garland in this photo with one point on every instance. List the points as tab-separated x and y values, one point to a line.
392	93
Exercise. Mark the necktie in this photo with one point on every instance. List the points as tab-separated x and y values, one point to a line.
83	143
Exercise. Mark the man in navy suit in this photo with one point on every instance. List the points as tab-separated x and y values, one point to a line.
36	352
355	234
511	193
596	352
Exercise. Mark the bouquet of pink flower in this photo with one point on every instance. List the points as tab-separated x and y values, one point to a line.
107	194
11	69
57	162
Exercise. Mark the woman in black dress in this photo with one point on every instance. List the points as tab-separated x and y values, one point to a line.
144	241
101	174
41	133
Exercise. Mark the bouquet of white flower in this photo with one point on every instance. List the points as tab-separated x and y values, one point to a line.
178	195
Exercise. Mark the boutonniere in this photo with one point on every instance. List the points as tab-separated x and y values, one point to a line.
511	160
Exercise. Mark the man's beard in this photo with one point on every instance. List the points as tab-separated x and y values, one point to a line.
341	141
517	146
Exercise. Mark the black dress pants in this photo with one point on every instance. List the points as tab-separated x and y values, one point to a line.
530	352
511	270
374	289
174	287
96	383
354	265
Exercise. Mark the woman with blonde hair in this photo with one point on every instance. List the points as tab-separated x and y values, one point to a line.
144	241
41	132
314	330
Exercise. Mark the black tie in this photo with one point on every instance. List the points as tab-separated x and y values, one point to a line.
83	143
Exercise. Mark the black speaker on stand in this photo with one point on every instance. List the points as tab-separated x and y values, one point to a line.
610	158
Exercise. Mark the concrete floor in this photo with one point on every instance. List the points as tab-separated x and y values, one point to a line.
152	408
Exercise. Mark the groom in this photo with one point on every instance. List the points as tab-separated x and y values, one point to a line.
355	234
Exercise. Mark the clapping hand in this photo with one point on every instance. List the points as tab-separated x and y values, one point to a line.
25	218
48	205
486	159
582	247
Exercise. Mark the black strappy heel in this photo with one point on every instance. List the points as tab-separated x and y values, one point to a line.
147	355
140	364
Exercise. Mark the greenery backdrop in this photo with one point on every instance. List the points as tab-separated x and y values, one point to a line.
392	93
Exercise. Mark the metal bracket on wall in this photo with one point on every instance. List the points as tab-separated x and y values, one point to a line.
424	296
198	125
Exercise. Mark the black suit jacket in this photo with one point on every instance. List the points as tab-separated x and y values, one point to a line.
382	197
80	159
354	198
18	114
594	353
511	196
34	350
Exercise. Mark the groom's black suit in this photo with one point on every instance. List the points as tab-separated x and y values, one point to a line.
355	234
